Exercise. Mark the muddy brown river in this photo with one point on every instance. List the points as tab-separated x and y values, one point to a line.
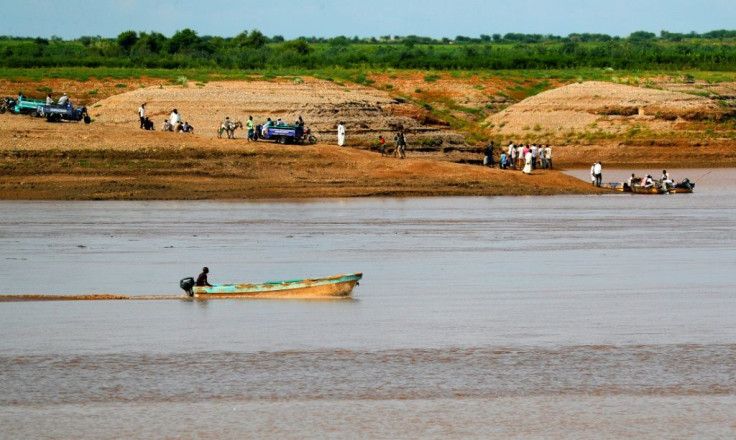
608	316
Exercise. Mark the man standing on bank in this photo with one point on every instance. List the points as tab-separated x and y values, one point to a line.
598	172
142	115
340	134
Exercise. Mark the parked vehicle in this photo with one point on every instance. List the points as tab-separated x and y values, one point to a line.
27	106
307	136
7	105
66	112
285	134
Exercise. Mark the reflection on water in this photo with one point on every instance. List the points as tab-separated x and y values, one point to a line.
581	316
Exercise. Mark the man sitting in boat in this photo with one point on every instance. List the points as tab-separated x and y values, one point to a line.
202	278
666	180
647	182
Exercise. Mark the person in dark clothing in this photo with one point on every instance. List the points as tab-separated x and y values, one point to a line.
202	278
148	124
488	159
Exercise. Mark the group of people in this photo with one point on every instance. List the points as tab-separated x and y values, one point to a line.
523	157
174	123
399	143
278	123
648	182
63	100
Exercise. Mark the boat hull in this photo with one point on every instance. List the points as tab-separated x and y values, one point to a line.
647	189
338	286
682	189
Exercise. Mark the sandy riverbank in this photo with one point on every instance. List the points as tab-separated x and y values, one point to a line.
113	159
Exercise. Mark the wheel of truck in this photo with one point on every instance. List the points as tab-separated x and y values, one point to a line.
312	139
34	114
283	140
2	109
87	119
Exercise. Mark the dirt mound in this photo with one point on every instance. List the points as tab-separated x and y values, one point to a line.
366	112
600	108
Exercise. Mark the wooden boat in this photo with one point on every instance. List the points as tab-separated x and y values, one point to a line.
656	189
683	187
337	286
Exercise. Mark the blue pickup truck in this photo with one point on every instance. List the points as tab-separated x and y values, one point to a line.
65	112
285	134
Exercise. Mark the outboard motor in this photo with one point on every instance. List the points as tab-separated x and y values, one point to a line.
187	284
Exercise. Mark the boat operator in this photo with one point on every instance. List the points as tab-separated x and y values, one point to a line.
202	278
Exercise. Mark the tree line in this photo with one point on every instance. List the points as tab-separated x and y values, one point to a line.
713	51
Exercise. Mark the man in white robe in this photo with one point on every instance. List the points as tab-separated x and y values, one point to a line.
340	134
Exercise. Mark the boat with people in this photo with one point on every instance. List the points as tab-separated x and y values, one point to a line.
647	185
660	187
336	286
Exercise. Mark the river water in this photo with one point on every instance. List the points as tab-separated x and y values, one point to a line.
607	316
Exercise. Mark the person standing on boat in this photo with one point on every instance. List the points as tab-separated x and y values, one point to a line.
598	168
202	278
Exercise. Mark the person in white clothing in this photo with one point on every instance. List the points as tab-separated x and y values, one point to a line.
598	171
528	158
340	134
548	156
520	156
175	121
666	180
592	174
63	100
142	114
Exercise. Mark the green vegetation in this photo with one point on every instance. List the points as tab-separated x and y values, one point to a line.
712	51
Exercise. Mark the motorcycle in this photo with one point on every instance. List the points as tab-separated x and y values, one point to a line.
7	105
307	136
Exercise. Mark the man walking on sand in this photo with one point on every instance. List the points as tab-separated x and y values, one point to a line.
142	114
340	134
